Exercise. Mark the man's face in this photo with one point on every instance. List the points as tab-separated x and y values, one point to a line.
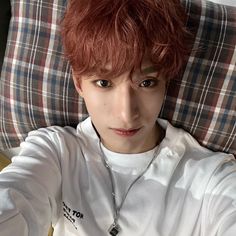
124	109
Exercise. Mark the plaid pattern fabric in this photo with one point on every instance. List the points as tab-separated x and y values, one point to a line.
36	88
202	100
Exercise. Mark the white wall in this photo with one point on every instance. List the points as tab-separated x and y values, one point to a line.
226	2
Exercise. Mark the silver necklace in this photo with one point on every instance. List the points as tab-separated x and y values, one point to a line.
115	228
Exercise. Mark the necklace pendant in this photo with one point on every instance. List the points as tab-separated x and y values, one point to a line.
114	229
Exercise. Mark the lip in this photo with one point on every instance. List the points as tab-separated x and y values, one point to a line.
126	132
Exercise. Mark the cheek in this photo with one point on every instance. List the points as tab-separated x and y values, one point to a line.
151	105
96	105
154	109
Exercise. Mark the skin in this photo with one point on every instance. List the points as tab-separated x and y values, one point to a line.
124	109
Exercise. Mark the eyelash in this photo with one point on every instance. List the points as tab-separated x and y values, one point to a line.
153	82
100	80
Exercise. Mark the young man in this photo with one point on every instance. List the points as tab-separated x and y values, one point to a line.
121	172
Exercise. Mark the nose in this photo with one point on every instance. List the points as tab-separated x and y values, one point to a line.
127	104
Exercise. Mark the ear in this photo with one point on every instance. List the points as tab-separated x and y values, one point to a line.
77	83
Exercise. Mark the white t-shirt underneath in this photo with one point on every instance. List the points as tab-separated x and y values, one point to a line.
126	168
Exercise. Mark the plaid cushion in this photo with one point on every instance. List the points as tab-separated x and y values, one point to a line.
37	89
202	100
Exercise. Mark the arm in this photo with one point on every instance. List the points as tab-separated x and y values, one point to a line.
30	187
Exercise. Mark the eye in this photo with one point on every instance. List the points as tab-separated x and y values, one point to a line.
103	83
148	83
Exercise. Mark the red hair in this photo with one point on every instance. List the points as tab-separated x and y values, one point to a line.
121	32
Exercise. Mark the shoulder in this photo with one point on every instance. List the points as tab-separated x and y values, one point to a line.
51	135
59	139
185	145
193	161
59	133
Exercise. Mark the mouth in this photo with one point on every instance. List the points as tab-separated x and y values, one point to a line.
126	132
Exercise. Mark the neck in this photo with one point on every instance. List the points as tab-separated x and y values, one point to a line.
147	144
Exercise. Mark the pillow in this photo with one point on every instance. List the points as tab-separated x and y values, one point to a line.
37	89
202	100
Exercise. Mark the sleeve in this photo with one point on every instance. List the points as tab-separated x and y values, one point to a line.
219	217
30	186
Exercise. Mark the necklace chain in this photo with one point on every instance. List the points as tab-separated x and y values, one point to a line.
115	228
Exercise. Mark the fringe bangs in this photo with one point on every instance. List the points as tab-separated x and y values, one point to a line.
107	38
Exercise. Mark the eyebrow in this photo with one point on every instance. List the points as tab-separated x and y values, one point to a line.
149	70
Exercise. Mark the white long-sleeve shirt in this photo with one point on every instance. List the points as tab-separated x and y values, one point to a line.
59	176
